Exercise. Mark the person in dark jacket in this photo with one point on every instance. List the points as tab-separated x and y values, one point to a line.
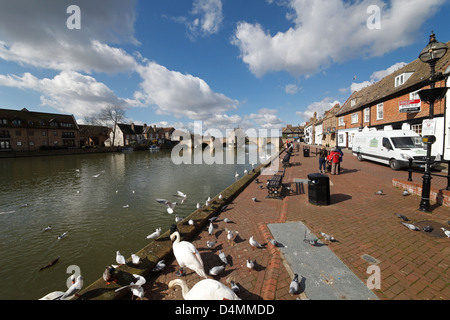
323	153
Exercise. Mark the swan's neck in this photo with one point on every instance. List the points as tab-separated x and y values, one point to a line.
177	237
184	287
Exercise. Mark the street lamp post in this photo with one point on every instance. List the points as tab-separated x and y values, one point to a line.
431	55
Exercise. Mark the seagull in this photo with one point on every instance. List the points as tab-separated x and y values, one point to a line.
215	271
294	286
254	199
410	226
198	205
245	172
155	234
405	193
447	233
235	287
227	220
159	266
136	287
47	228
181	196
120	259
220	197
402	217
379	192
96	175
109	275
328	237
178	219
135	259
210	229
231	235
63	235
126	206
209	199
236	174
191	222
254	243
170	205
74	289
207	203
223	257
250	265
211	244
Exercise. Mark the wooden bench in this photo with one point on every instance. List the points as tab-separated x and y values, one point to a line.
275	186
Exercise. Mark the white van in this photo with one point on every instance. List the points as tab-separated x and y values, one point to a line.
391	147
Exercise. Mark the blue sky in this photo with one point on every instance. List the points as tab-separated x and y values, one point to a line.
227	63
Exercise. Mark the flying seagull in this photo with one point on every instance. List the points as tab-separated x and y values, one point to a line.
170	205
181	196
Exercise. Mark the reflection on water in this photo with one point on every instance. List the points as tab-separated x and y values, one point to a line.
86	196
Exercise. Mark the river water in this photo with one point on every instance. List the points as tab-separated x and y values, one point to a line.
64	192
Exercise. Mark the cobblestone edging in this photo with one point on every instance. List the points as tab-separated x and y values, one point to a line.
161	248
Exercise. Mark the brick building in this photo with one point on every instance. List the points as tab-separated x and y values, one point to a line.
23	130
394	103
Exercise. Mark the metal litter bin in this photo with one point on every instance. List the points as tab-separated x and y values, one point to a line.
319	189
306	152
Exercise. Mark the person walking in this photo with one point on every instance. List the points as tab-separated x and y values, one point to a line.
323	153
341	155
334	157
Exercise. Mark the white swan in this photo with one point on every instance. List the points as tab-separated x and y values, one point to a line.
187	255
207	289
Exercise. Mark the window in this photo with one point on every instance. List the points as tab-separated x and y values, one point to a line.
17	122
387	144
19	143
354	118
55	142
31	143
367	115
44	133
353	102
3	121
4	144
417	128
341	121
401	79
18	133
53	124
380	113
55	133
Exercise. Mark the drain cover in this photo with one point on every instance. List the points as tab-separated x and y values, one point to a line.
370	259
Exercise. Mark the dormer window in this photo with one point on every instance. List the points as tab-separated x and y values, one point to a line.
353	102
402	78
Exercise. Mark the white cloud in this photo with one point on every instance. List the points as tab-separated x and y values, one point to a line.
35	33
68	92
317	107
180	95
328	31
377	76
291	89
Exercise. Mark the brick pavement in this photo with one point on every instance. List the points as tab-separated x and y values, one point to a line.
414	264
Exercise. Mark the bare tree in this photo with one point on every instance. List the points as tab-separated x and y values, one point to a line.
111	116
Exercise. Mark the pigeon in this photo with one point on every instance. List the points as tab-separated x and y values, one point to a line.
254	243
379	192
224	207
210	229
273	242
227	220
402	217
159	266
74	289
447	233
328	237
178	219
120	259
109	275
212	219
312	242
405	193
215	271
155	234
135	259
294	286
170	205
410	226
181	196
250	265
235	287
211	244
428	228
223	257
